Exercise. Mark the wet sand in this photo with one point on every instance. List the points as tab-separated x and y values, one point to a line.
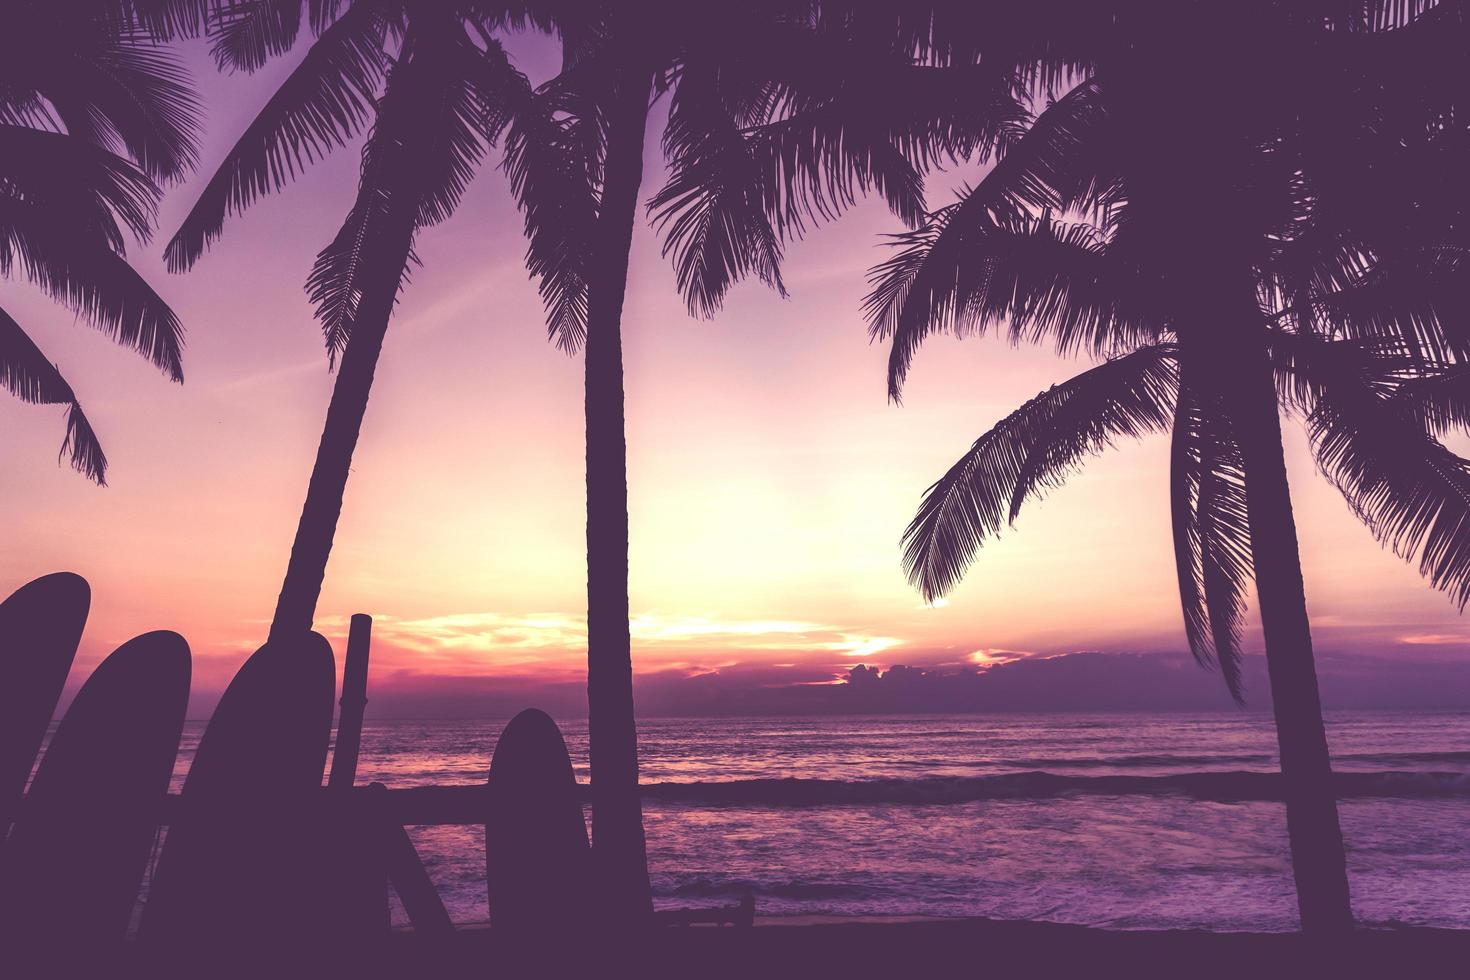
818	947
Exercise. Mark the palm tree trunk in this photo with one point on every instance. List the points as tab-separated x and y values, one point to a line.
1319	863
296	606
619	850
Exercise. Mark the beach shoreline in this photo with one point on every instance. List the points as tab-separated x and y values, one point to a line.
912	946
835	946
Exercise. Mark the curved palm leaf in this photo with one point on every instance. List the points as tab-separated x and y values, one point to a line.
26	373
717	204
321	105
791	130
501	88
248	33
1212	551
424	146
81	186
1305	363
1437	397
1421	298
1411	491
929	114
130	97
1034	448
167	20
554	149
93	280
1039	172
1045	278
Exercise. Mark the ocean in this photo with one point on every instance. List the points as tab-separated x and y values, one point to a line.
1136	821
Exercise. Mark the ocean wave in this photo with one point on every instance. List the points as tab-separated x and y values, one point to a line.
1143	761
703	886
1162	760
1219	786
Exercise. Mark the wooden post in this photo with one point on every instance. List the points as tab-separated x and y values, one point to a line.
364	873
354	701
406	870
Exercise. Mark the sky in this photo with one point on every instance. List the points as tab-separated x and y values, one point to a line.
770	478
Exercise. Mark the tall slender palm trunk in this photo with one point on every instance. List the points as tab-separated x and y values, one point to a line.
619	850
296	606
1226	339
1319	863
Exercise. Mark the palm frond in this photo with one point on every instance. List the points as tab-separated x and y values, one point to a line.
779	123
1421	298
1034	448
26	373
793	62
132	97
1411	491
1368	15
1062	162
929	115
321	13
166	20
439	139
1437	397
81	186
1047	43
423	149
551	16
1038	173
248	33
321	105
1304	363
339	276
1212	550
716	208
91	279
1046	279
82	447
501	88
554	149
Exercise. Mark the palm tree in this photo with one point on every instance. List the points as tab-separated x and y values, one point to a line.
436	87
94	119
778	118
1327	280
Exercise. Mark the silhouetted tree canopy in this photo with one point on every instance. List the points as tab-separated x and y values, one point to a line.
1330	184
95	118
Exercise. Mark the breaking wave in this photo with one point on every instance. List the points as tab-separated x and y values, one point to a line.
1219	786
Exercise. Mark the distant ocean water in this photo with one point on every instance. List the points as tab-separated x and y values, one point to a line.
1141	821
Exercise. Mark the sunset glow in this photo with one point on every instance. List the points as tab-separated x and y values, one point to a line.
770	478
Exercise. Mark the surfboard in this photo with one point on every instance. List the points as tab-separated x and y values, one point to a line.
40	627
74	861
243	860
537	861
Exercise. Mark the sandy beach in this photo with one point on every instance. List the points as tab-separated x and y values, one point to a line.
815	946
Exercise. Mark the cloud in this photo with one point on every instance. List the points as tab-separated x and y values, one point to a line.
1432	639
989	658
495	642
404	686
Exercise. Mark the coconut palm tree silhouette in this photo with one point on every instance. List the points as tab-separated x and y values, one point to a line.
434	87
1327	279
778	117
95	118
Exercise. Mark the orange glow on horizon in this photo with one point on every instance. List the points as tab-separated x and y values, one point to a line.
770	479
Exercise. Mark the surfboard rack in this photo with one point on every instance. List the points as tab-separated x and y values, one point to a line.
406	870
369	843
425	806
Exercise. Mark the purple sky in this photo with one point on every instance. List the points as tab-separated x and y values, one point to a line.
770	479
